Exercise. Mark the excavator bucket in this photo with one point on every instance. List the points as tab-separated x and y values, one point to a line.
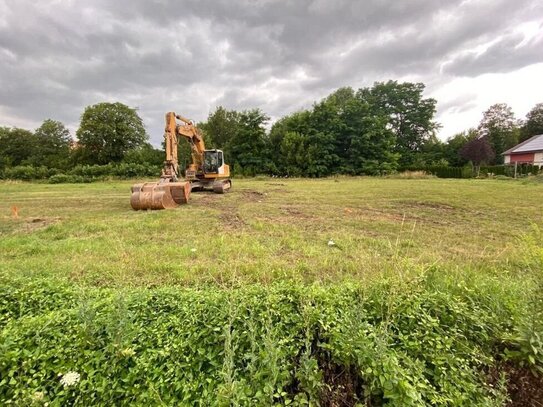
157	195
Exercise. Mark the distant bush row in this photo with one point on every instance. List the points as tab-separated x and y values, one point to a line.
468	171
80	173
91	173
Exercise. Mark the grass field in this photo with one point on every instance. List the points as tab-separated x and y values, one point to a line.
264	230
430	295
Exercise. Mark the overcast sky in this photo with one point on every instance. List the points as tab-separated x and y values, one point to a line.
280	56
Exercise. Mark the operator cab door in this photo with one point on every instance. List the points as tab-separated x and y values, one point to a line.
213	162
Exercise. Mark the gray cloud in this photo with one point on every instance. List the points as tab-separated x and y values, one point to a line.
508	53
59	56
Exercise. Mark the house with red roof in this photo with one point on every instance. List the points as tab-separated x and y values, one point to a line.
527	152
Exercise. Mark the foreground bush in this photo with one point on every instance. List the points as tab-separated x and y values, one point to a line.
425	341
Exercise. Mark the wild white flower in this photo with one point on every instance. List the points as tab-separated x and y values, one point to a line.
69	379
331	243
193	250
38	395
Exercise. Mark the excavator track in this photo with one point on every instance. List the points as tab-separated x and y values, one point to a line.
159	195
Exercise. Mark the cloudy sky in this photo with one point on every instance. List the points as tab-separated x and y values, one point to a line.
278	55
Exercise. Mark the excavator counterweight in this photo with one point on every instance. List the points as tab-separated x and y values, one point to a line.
207	170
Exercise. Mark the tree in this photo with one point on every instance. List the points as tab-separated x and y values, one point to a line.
247	147
285	136
146	154
410	116
453	145
221	127
108	131
500	128
53	145
370	141
293	151
533	125
478	151
17	146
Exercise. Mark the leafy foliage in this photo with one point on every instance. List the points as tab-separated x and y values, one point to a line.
53	145
419	342
410	116
247	147
533	125
108	131
80	173
373	130
478	151
16	146
500	128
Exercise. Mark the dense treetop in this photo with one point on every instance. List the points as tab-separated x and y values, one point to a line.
373	130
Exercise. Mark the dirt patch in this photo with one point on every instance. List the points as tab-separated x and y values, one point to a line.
231	220
292	211
253	196
34	224
207	199
525	389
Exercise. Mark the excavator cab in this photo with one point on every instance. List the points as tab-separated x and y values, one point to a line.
213	161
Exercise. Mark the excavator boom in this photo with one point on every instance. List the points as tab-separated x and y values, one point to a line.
169	191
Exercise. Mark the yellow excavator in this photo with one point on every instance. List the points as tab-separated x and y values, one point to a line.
207	171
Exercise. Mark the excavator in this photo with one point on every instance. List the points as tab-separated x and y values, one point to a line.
207	171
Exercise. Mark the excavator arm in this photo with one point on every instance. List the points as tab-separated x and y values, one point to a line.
190	132
169	191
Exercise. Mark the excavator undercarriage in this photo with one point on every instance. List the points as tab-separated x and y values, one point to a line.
206	172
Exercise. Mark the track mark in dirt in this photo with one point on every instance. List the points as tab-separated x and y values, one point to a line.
252	196
292	211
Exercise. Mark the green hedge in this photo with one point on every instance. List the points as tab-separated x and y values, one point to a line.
412	343
80	173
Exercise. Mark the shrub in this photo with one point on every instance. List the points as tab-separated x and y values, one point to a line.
68	179
81	173
27	173
414	342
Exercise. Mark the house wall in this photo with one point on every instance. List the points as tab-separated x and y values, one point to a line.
522	158
538	158
507	159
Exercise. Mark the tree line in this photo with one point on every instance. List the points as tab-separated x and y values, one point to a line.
387	127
